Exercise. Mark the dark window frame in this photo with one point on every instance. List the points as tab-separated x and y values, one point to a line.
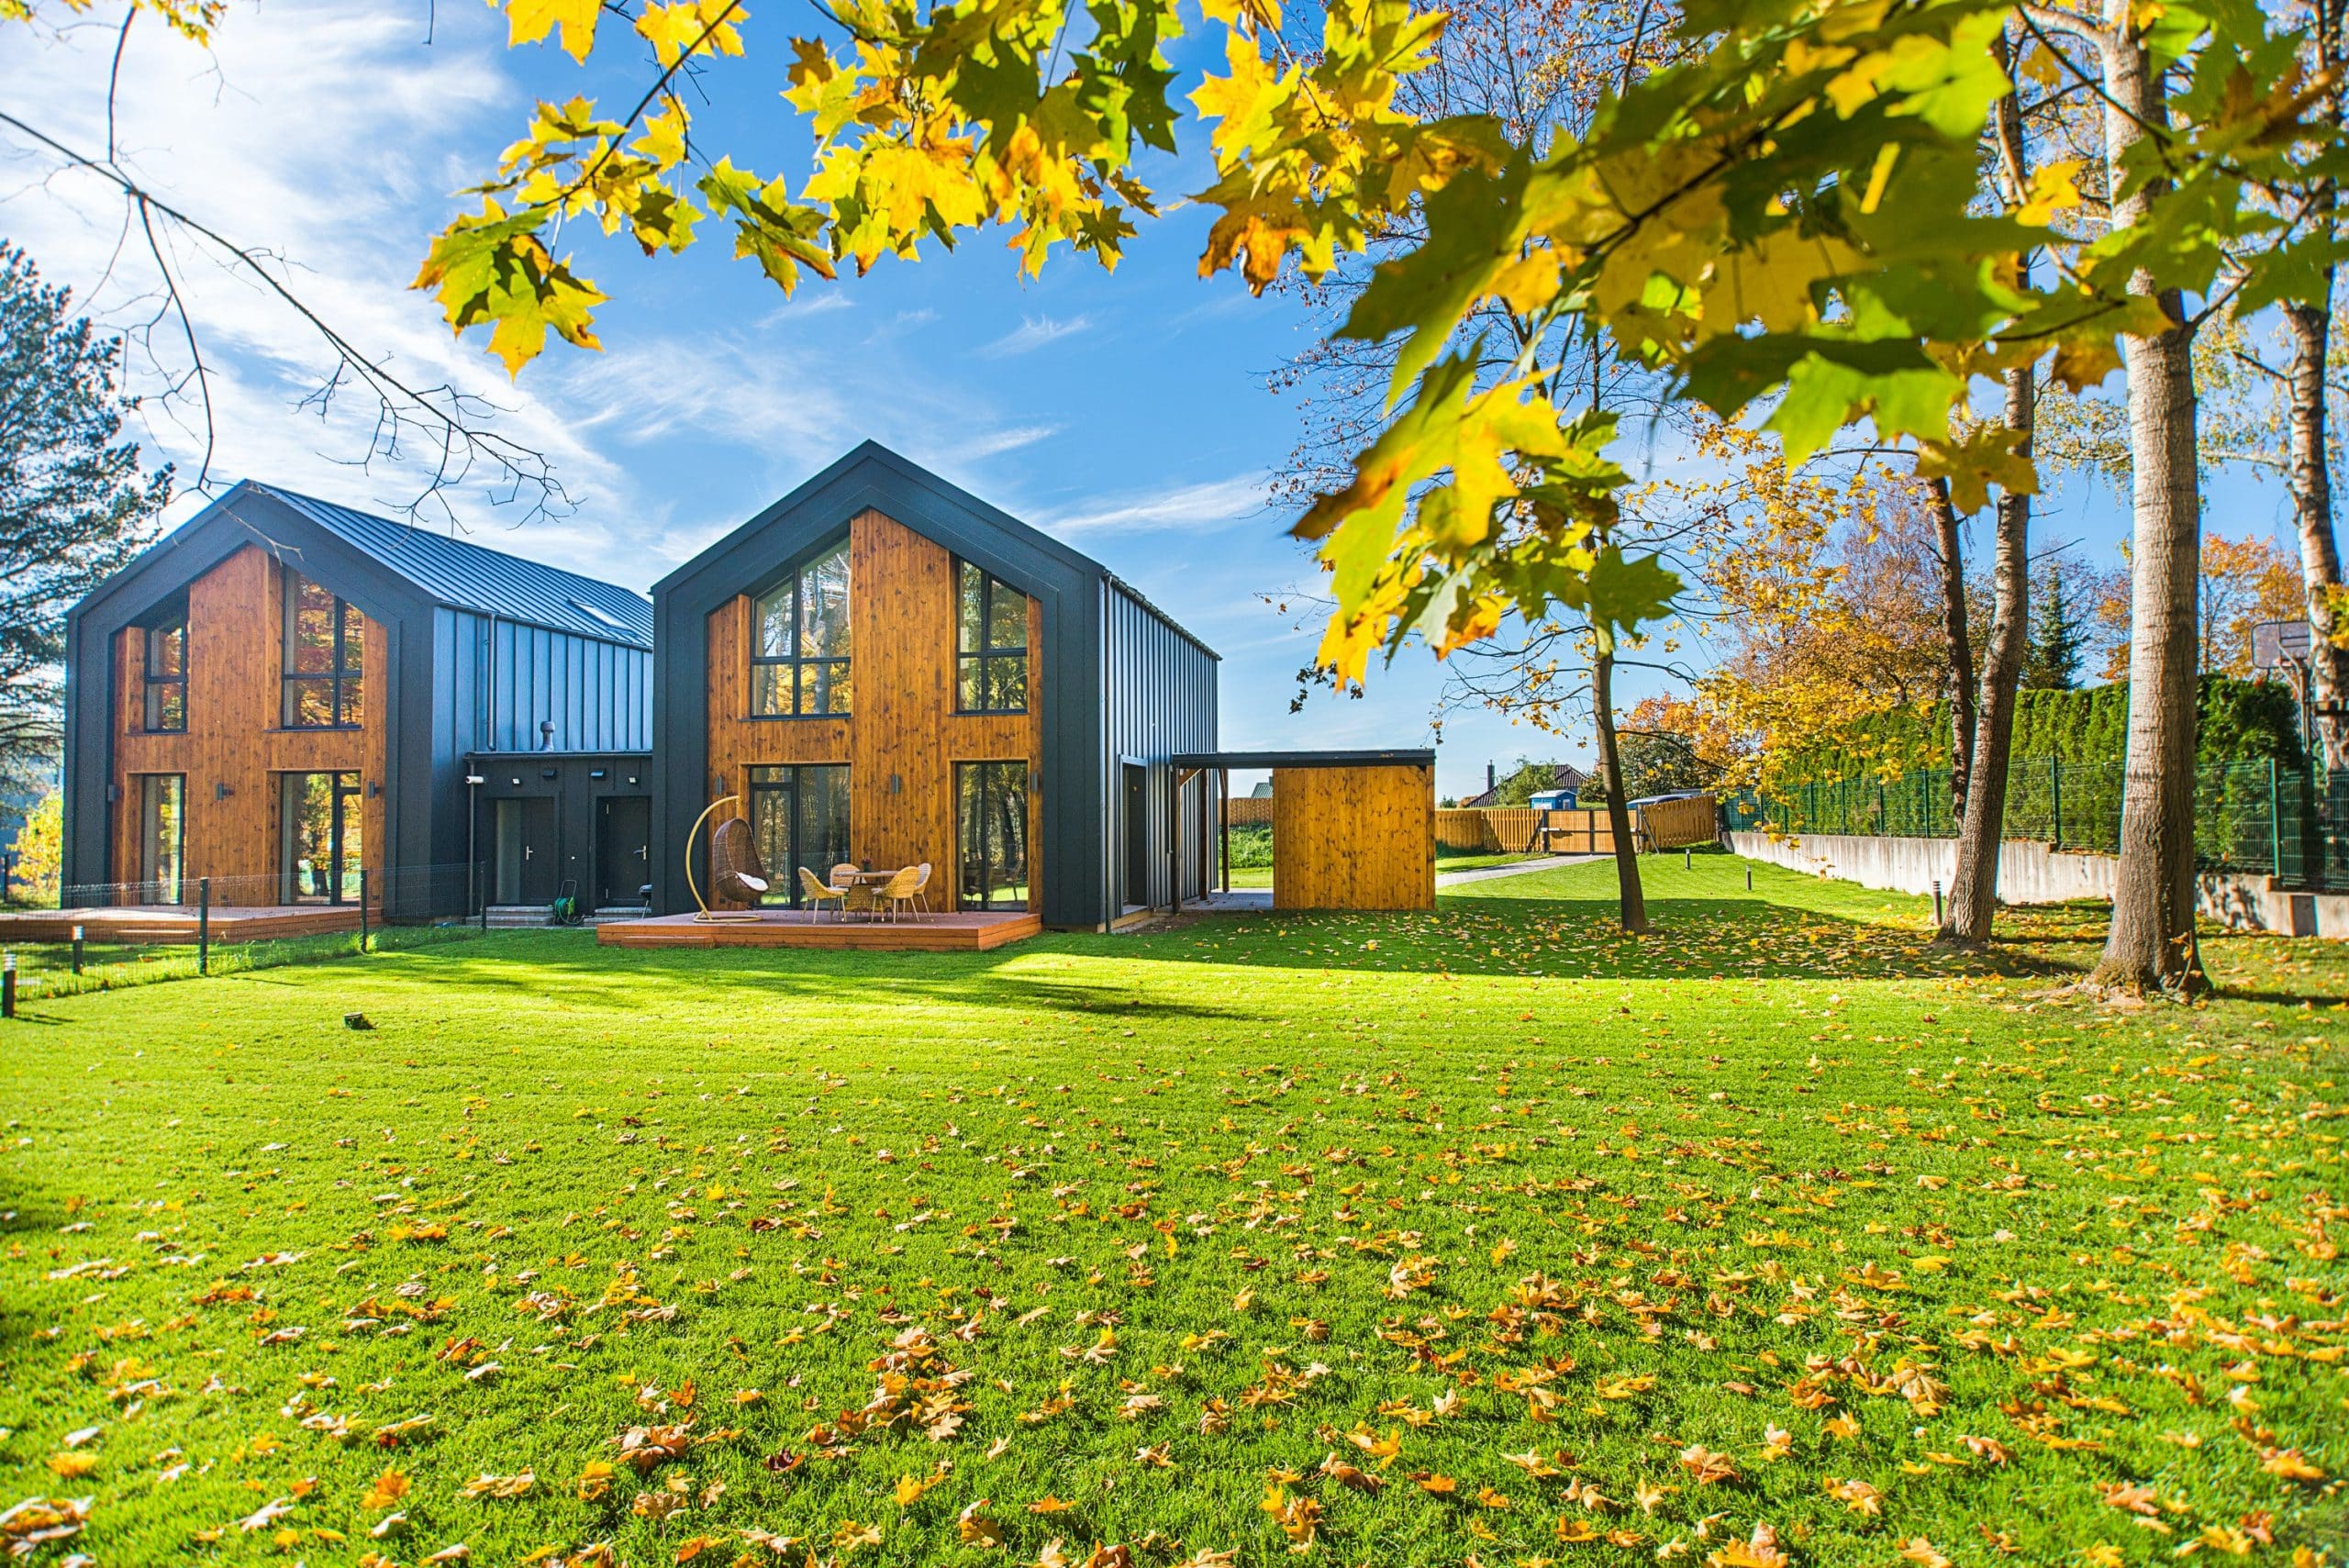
988	656
769	783
986	899
156	688
345	675
839	684
148	809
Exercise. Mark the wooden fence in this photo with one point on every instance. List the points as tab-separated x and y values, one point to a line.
1512	829
1675	824
1251	810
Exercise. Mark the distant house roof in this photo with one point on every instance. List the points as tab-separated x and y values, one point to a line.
1564	776
487	581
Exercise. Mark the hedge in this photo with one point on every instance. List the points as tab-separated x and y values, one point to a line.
2241	721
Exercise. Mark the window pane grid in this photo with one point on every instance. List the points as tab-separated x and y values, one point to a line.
991	835
165	678
800	666
991	644
326	643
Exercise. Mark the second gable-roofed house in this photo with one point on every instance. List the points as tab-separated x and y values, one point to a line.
284	691
882	667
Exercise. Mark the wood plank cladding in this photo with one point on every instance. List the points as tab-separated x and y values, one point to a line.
234	657
902	737
1354	837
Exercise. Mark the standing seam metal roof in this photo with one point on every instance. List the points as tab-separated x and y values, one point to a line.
488	581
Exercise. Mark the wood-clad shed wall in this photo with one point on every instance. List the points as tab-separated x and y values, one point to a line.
902	737
234	657
1354	837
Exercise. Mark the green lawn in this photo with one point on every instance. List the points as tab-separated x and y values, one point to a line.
1394	1240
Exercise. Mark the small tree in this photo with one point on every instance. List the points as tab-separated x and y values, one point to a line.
74	505
40	852
2053	663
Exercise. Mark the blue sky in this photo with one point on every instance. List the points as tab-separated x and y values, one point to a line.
1126	414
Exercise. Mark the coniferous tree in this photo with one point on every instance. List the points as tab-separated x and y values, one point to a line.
2052	663
75	504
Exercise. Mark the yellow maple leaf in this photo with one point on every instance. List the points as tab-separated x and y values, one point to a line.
528	21
384	1490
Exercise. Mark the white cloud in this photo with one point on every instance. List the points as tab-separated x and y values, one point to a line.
1212	505
319	135
1034	332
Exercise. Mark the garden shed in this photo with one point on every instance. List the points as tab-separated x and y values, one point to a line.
1350	830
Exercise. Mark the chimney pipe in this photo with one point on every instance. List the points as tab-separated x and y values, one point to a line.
1491	783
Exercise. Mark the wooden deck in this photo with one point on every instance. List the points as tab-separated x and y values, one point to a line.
966	931
176	923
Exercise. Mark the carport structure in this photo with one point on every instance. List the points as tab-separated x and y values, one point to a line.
1350	830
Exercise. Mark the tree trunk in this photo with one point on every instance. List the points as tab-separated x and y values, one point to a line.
1961	646
2150	945
1973	889
2311	329
1610	776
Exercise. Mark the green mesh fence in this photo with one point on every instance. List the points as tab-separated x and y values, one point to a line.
2251	815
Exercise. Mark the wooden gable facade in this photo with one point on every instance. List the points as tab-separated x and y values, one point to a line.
904	734
442	650
1112	688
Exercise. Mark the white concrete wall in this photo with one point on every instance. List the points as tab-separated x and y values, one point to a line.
2031	872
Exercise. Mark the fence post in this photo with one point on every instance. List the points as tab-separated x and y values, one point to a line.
203	924
2275	826
8	985
363	909
2055	794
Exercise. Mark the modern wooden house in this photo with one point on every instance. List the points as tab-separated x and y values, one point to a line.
282	692
881	668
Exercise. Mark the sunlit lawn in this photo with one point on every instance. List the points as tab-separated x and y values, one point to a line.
1366	1240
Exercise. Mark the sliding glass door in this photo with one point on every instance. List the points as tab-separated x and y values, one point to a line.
799	818
320	839
991	834
163	836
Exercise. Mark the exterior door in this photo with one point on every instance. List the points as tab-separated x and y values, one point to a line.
320	846
525	860
1136	834
623	849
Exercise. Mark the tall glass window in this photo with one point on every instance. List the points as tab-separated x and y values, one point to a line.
321	847
325	651
991	835
799	818
799	664
991	644
166	676
163	836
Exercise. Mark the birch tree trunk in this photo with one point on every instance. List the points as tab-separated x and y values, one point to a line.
1974	891
1948	528
2150	945
2310	325
2311	483
1632	900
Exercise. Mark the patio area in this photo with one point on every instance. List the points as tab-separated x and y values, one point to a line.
176	922
957	931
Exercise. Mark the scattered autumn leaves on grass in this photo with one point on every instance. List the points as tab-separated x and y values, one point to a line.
1739	1273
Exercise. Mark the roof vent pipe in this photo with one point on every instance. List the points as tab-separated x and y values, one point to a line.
546	735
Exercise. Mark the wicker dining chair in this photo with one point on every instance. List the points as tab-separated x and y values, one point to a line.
813	890
843	874
921	888
899	891
735	872
861	898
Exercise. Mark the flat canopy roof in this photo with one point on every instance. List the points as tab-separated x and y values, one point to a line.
1419	759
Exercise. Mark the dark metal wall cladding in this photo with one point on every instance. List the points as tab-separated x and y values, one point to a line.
1158	697
501	681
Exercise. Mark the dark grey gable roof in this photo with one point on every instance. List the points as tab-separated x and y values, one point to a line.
909	494
488	581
